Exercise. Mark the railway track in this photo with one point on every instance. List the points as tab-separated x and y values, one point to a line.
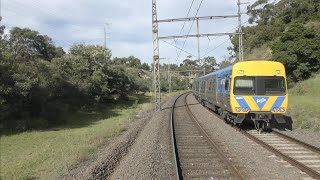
299	154
197	155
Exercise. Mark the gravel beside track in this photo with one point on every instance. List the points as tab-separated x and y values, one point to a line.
256	162
151	155
305	135
143	151
199	156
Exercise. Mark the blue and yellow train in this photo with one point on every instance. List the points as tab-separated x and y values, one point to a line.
249	90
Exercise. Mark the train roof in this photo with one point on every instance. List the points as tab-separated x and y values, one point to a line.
221	71
229	68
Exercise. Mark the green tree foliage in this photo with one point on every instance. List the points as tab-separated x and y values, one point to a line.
39	82
145	66
298	48
26	44
130	61
209	63
290	28
225	63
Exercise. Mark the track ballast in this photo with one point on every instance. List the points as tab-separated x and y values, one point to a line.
197	155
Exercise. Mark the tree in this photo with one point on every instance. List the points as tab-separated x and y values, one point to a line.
188	63
130	61
226	62
261	12
94	55
26	44
134	62
209	63
145	66
298	50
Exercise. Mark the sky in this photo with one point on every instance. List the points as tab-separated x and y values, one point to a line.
128	24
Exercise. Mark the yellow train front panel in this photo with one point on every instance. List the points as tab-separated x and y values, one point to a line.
241	103
246	104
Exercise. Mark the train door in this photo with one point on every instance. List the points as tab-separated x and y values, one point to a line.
207	89
226	93
220	89
216	85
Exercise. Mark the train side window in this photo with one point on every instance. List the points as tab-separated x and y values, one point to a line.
227	85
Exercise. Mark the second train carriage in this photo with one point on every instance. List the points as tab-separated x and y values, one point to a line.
250	90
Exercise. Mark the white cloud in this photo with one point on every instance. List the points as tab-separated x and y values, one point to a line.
69	21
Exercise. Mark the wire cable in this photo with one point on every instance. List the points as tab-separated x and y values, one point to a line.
190	28
180	49
184	23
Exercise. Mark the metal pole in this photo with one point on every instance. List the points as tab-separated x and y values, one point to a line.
198	36
198	40
0	13
156	60
105	43
240	33
189	78
169	78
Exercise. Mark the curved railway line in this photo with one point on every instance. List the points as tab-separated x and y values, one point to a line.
197	155
299	154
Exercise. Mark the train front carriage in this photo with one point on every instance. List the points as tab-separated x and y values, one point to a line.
258	93
252	90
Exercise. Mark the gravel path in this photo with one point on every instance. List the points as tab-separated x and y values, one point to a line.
142	151
151	155
251	159
103	162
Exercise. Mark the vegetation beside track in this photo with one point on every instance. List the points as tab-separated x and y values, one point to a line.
304	103
51	153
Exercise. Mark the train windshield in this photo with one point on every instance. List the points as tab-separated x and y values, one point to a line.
259	85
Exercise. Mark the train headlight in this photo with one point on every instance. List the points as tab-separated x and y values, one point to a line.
245	109
282	109
278	71
276	109
241	71
238	109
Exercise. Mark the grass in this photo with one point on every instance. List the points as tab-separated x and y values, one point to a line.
304	104
51	153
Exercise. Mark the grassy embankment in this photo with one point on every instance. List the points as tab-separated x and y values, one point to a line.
304	104
50	153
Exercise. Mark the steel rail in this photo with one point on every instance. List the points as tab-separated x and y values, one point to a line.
312	173
301	166
306	145
174	142
231	167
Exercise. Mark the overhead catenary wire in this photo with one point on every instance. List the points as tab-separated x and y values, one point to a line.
190	28
208	52
184	23
180	49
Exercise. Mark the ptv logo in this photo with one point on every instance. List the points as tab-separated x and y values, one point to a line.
261	101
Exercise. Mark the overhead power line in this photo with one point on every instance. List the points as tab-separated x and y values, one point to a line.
184	23
198	35
191	27
196	18
180	49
